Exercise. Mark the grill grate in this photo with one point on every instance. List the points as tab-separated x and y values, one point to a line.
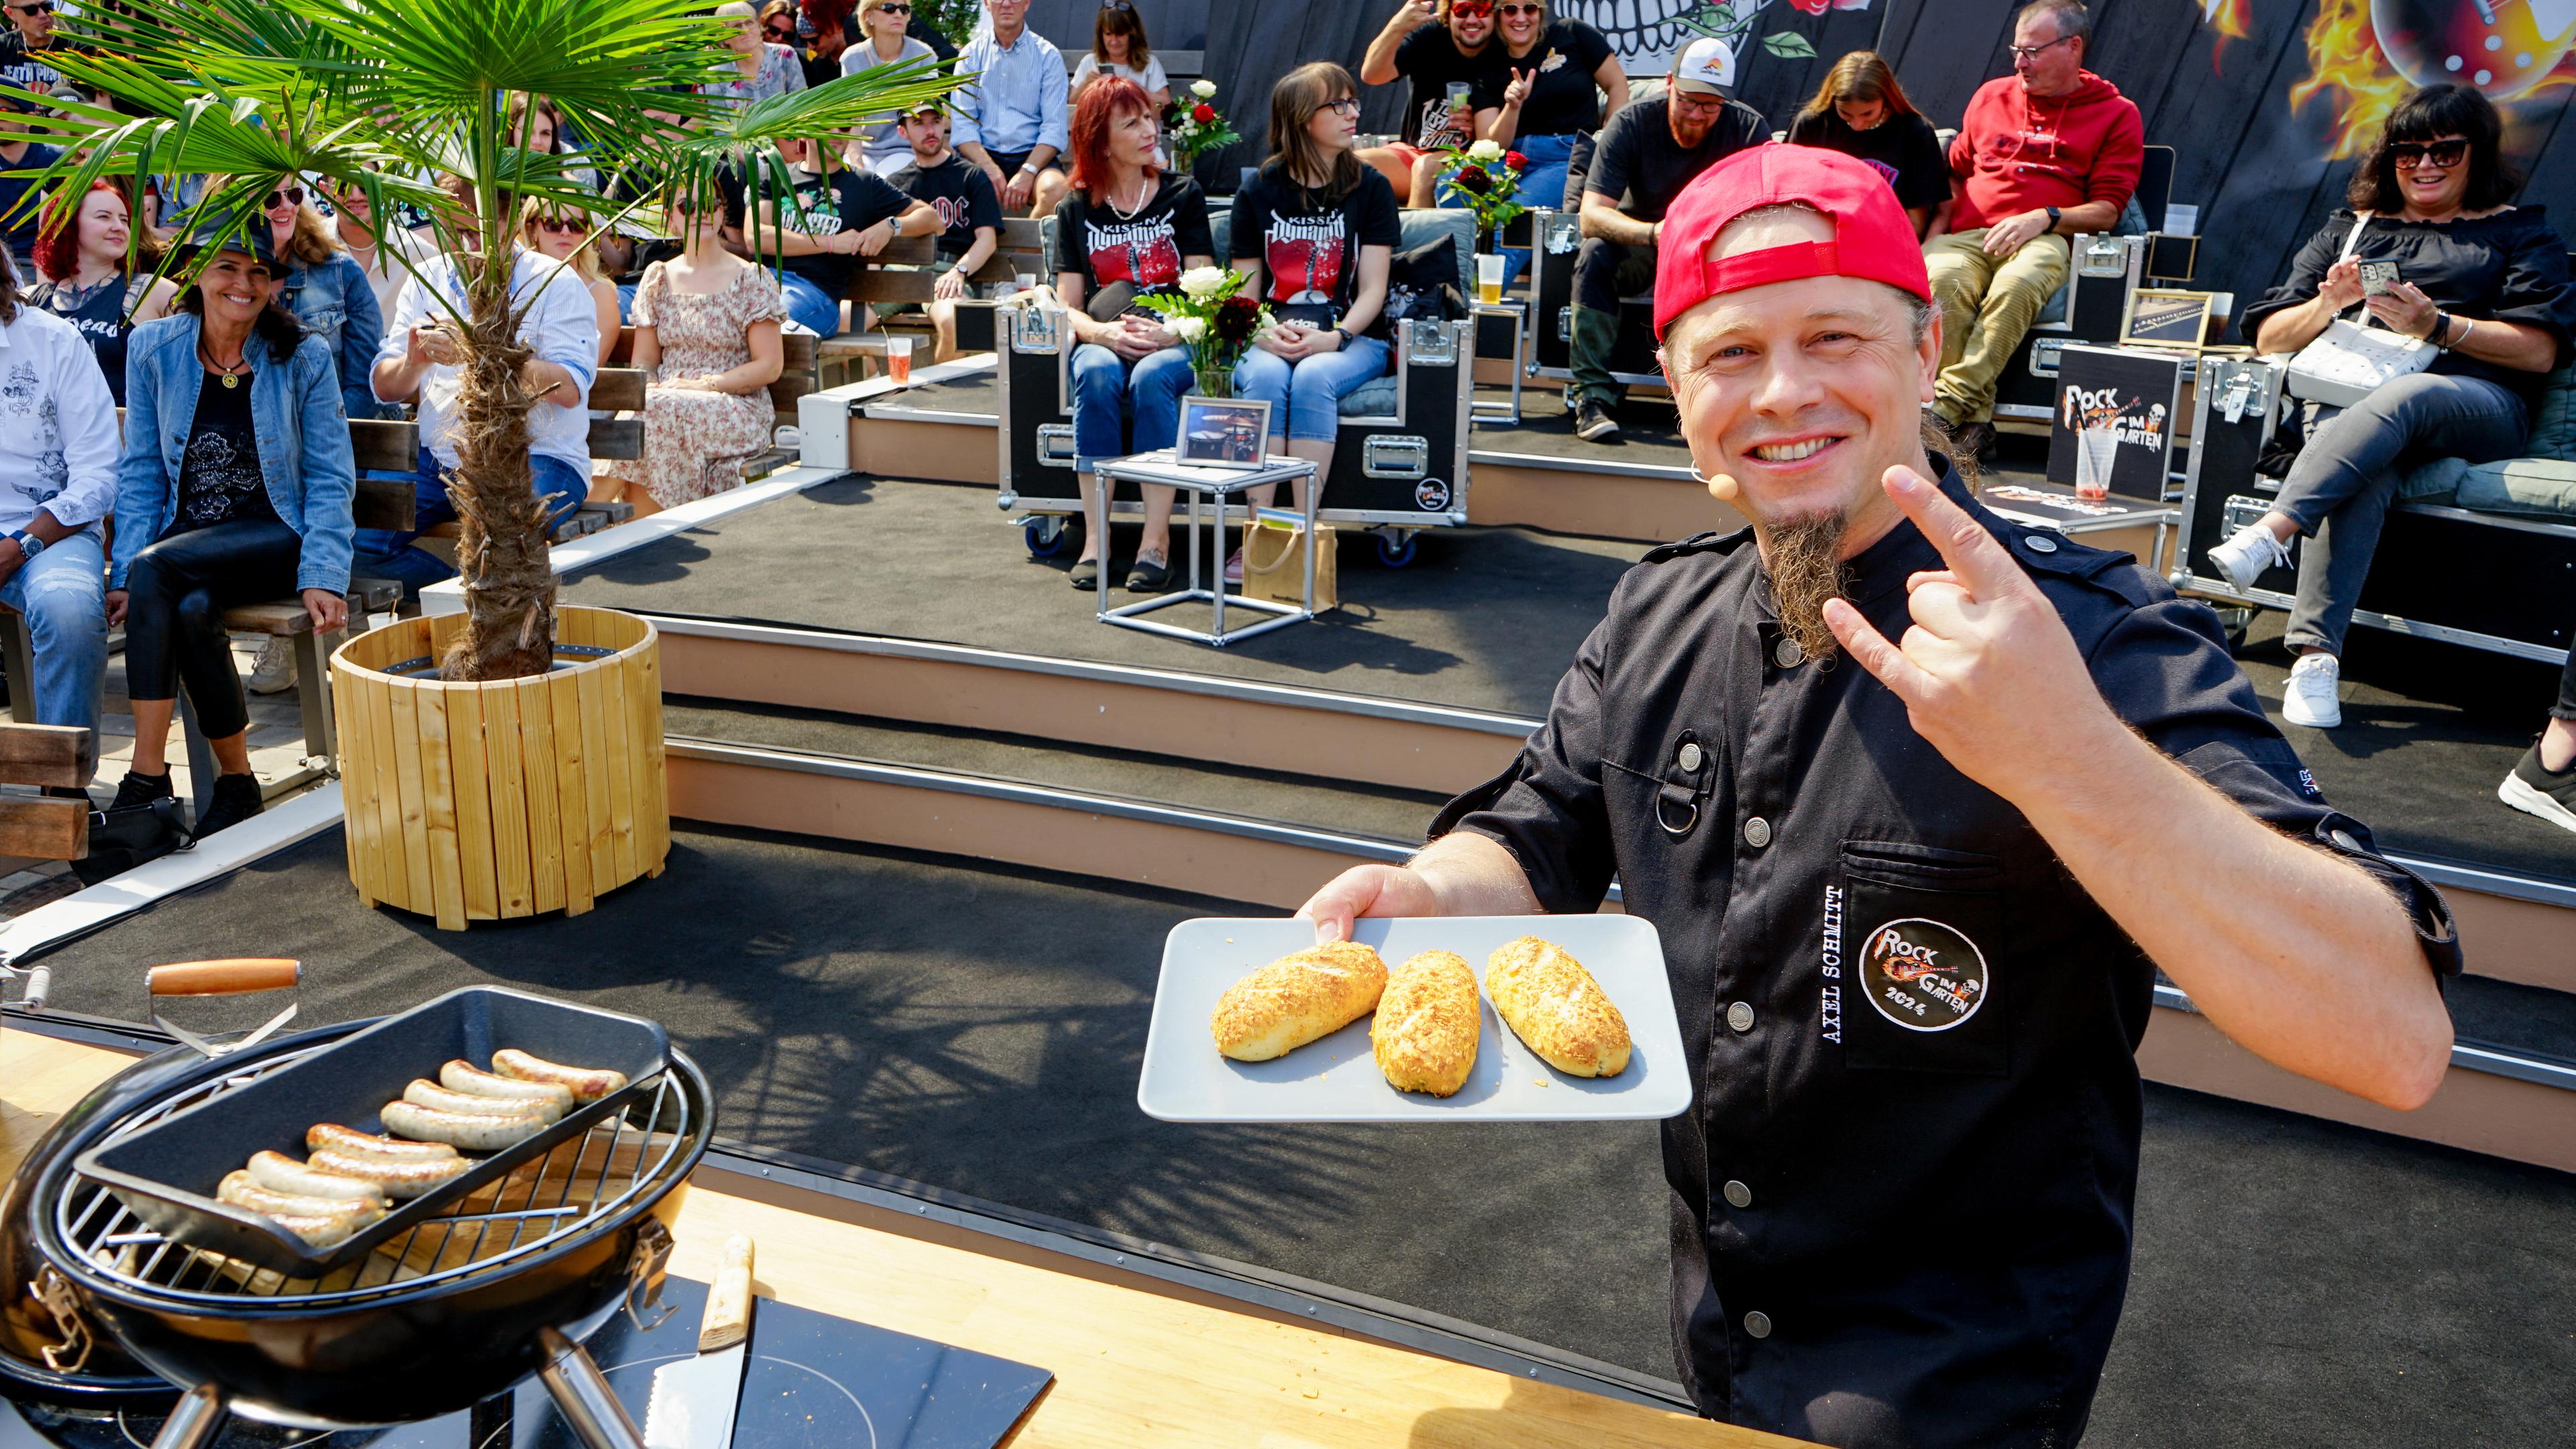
545	1200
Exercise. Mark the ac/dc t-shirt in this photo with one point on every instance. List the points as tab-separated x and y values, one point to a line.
1144	250
1562	100
1429	59
847	200
1309	245
961	194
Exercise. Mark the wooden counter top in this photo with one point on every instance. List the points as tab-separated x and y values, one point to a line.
1137	1363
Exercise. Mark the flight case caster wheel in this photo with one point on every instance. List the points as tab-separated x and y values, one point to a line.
1395	547
1044	536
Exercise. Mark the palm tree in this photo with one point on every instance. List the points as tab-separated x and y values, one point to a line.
383	96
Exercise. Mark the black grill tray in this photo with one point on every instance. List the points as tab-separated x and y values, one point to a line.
167	1173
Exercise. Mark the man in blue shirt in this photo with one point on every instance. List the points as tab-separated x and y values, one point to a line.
1011	122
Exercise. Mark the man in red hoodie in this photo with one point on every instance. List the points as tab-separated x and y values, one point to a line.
2042	154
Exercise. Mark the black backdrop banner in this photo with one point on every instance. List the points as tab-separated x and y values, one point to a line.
2266	102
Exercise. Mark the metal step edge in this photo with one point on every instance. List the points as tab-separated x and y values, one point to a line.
2495	1059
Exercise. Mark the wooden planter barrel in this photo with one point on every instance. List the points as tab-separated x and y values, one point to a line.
481	802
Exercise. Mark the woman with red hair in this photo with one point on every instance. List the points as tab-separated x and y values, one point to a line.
1124	229
88	275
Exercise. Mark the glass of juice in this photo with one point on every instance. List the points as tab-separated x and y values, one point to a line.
899	360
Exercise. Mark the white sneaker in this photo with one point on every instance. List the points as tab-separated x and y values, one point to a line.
2242	559
2311	699
275	671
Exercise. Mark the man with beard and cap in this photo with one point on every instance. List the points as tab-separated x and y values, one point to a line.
1913	900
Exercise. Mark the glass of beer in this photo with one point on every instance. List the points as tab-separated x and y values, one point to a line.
899	360
1489	278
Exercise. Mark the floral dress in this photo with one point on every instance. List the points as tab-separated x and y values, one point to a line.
695	443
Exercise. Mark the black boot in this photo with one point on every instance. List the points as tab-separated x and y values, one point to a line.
236	800
138	788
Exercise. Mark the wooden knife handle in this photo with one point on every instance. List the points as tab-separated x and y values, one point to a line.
223	978
728	1319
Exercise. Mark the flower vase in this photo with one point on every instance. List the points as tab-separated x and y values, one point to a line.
1214	382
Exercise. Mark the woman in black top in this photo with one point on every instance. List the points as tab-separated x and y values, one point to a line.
2483	280
1860	110
1315	231
1540	94
89	279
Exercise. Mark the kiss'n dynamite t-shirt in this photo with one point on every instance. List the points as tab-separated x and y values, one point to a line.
1309	245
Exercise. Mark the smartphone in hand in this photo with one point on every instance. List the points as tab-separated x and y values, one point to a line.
2378	276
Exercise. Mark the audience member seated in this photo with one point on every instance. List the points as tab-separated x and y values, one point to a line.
58	448
1119	48
538	126
825	31
27	43
2044	153
2543	781
836	216
237	491
1861	111
379	253
1125	227
1648	153
419	364
2482	280
762	70
327	291
706	329
90	278
563	233
1315	232
17	155
878	147
964	201
1430	45
1538	93
1011	123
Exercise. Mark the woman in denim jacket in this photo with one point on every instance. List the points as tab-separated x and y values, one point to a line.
328	291
235	488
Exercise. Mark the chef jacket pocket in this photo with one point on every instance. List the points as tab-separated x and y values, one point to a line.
1923	932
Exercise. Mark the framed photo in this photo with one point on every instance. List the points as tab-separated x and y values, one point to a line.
2160	318
1223	432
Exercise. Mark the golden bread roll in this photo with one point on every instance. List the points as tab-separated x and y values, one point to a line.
1553	1004
1296	999
1425	1033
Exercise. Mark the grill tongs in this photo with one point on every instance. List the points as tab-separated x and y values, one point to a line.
240	975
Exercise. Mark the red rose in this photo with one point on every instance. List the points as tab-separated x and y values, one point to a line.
1812	7
1202	113
1516	160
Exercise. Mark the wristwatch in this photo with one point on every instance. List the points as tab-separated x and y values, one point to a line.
28	544
1344	334
2053	215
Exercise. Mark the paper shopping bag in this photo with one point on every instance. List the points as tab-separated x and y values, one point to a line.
1274	561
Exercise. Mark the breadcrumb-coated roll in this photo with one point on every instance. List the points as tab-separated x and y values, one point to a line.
1425	1033
1296	999
1553	1004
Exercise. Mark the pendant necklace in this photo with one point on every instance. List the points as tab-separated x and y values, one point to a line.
232	375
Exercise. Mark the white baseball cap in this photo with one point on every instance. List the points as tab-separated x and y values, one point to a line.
1705	65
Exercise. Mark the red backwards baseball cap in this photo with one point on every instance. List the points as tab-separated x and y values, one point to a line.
1873	237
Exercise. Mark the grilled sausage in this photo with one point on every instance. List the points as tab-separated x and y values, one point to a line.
588	1084
403	1180
242	1190
316	1232
350	1140
465	1104
464	1076
280	1173
471	1131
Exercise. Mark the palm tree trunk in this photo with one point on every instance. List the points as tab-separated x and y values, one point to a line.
502	550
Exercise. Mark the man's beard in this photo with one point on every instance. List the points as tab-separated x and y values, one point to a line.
1804	557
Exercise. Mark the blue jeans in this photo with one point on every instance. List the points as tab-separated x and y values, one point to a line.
2346	475
1104	387
809	307
387	553
1306	400
63	593
626	302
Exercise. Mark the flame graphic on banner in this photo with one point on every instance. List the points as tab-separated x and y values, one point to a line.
2345	64
2368	55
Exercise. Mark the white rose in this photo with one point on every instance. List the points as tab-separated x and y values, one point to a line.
1485	151
1203	282
1203	89
1188	329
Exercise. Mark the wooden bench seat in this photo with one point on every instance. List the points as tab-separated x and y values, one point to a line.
1020	250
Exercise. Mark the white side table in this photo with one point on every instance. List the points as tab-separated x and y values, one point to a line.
1212	486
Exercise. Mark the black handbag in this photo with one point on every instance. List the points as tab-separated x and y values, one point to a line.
120	840
1422	284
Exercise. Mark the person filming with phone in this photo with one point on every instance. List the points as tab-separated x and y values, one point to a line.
1884	736
2484	285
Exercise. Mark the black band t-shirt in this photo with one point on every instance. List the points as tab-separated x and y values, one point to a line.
1309	245
1429	60
961	194
219	476
1145	250
1904	149
1563	100
847	200
1641	168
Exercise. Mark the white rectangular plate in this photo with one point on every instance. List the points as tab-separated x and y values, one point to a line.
1337	1080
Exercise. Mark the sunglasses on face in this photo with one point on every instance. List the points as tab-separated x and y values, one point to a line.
290	196
2439	154
41	7
1472	10
894	10
1515	12
782	32
563	226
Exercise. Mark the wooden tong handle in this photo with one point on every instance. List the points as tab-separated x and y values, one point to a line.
223	978
728	1319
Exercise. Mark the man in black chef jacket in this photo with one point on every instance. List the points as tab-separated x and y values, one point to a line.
1913	894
